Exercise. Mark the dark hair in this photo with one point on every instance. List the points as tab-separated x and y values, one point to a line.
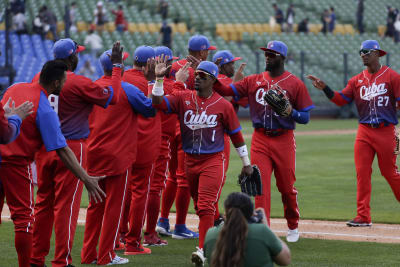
231	242
139	64
52	70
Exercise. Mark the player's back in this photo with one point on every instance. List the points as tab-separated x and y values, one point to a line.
177	66
22	150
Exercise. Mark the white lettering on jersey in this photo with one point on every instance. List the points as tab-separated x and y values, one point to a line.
53	99
199	121
260	96
368	93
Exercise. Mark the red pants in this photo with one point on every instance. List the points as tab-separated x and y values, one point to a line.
1	199
18	188
370	141
277	154
139	187
58	202
157	184
205	174
109	213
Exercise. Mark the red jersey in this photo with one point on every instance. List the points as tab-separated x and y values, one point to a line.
203	121
177	65
76	101
113	139
149	129
375	95
41	127
243	101
256	85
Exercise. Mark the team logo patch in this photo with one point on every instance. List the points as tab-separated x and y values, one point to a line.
105	91
71	51
199	121
203	47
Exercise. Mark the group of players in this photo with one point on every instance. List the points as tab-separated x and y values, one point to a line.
162	128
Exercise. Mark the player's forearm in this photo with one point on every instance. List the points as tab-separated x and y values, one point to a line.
157	93
116	84
69	159
334	97
241	148
224	90
10	129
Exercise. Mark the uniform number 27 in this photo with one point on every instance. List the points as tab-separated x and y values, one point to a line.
383	101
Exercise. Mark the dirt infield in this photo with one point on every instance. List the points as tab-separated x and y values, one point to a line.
381	233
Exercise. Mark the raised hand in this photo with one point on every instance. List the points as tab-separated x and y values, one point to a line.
161	68
116	54
239	73
149	69
317	83
23	110
183	73
193	61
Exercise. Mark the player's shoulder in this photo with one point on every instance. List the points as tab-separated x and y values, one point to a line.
391	71
179	63
78	79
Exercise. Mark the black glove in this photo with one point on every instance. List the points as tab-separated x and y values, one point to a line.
251	185
279	102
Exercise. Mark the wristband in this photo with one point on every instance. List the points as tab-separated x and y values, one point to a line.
242	151
158	88
118	65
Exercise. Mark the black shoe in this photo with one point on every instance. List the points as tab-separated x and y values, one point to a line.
219	221
69	265
35	265
358	222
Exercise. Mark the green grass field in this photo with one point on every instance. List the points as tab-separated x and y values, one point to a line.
327	190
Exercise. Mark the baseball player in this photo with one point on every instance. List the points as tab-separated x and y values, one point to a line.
204	116
149	142
42	127
177	186
273	146
198	47
111	151
226	63
59	192
376	91
157	183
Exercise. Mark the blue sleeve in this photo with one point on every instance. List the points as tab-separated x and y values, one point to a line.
139	102
111	96
234	131
49	125
14	125
301	116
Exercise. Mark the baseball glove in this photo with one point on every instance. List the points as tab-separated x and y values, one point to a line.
397	147
279	102
251	185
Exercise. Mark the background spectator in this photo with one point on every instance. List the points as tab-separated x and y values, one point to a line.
303	26
100	17
120	22
278	15
360	16
397	28
332	20
166	35
391	18
93	42
163	7
72	17
48	17
19	23
88	70
325	20
39	27
17	6
290	18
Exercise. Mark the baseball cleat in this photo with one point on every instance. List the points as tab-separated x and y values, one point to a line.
358	222
118	260
181	232
35	265
219	221
137	251
198	258
119	246
153	240
293	235
163	227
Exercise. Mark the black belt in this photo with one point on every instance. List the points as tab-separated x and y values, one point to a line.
271	133
377	125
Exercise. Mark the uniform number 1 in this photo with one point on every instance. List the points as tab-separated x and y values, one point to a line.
383	101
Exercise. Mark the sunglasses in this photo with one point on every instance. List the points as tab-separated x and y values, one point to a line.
203	75
271	54
364	52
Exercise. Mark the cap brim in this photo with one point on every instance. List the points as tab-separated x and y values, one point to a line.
208	74
175	58
212	47
80	48
236	59
270	50
381	53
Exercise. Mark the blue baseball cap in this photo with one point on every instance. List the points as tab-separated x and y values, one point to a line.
143	53
200	42
208	67
63	48
276	46
105	59
226	56
163	50
372	45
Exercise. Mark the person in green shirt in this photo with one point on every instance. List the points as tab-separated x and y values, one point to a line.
245	238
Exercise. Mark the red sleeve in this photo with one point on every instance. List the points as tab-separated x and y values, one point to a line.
116	85
231	121
237	138
3	122
303	100
36	77
8	130
177	88
172	102
238	89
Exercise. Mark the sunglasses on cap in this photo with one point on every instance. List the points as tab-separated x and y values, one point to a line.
271	54
364	52
203	75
